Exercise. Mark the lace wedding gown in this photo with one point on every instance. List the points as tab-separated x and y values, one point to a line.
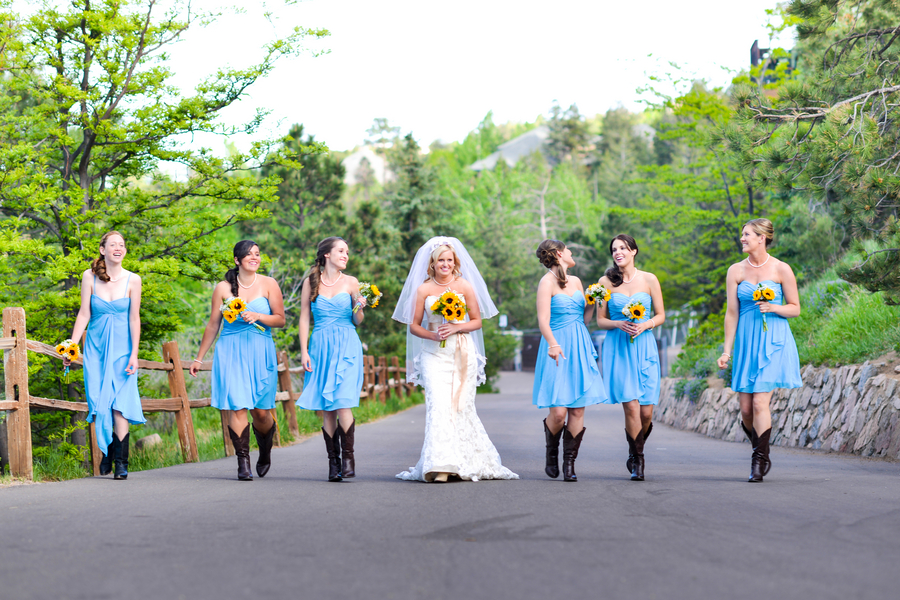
455	439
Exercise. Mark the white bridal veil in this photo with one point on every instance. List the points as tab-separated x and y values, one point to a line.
406	305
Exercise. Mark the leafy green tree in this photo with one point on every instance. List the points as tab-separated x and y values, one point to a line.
830	134
569	133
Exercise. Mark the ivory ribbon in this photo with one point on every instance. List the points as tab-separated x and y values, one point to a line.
461	367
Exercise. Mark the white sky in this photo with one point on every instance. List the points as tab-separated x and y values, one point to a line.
436	68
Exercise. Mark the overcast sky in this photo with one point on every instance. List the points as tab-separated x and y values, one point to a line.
436	68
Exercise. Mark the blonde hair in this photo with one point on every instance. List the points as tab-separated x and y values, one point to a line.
436	254
762	227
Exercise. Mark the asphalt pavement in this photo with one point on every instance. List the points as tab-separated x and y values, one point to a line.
821	526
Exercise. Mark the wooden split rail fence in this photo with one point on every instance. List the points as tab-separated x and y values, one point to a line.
380	378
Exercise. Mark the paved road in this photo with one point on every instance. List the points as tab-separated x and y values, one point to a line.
821	526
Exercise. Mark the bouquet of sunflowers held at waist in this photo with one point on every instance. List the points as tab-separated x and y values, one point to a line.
370	292
597	293
68	349
450	306
634	310
232	308
763	293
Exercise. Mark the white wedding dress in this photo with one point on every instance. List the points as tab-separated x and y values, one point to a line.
455	439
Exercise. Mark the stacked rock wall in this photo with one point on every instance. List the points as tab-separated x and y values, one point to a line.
852	409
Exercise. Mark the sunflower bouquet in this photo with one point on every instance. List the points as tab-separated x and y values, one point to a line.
370	292
634	311
763	293
450	306
597	293
232	308
68	349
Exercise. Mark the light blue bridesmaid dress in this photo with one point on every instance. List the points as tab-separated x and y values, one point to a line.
630	370
245	366
336	355
763	360
107	348
576	381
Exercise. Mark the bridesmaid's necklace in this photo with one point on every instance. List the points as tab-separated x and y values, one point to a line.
632	277
326	284
768	256
111	280
247	287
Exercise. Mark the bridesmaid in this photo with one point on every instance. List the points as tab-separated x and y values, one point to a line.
631	360
335	368
111	312
765	355
566	377
245	367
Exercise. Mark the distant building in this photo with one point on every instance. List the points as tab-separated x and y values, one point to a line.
355	166
515	149
764	55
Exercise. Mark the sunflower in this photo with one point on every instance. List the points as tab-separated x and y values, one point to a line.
459	312
374	304
768	294
72	352
436	306
237	305
607	296
448	312
637	311
757	295
229	315
60	349
374	289
589	299
449	298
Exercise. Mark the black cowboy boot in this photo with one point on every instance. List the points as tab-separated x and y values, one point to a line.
629	463
333	446
348	463
241	445
760	463
264	441
106	463
636	455
747	431
552	468
570	453
121	458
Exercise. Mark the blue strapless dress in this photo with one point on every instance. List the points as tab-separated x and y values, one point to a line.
763	360
630	370
245	365
576	382
107	348
336	355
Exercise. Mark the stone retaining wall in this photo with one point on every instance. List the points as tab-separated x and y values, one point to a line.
853	409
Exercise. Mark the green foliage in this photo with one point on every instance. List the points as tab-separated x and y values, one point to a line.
61	459
499	348
692	388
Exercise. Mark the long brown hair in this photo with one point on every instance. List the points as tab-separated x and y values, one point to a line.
614	273
546	253
315	272
241	249
98	266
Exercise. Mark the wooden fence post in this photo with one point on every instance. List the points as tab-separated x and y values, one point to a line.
287	385
18	423
229	447
96	455
398	383
183	419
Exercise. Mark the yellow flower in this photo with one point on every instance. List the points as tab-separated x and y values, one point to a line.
436	306
374	289
449	298
607	296
768	294
756	295
637	311
72	352
229	315
60	349
589	299
459	312
448	313
237	305
374	304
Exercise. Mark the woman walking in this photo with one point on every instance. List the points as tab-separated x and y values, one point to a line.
762	296
566	377
245	367
333	356
630	356
447	359
111	313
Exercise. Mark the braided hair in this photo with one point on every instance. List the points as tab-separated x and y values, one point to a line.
547	254
315	272
241	249
614	273
98	265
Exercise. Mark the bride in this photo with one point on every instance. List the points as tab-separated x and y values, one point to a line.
456	443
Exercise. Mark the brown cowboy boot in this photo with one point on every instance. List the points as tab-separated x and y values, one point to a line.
348	463
571	444
264	441
333	447
552	468
241	445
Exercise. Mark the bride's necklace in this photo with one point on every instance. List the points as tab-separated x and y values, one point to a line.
247	287
768	256
326	284
441	283
629	280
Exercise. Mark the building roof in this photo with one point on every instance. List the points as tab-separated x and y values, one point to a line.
515	149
